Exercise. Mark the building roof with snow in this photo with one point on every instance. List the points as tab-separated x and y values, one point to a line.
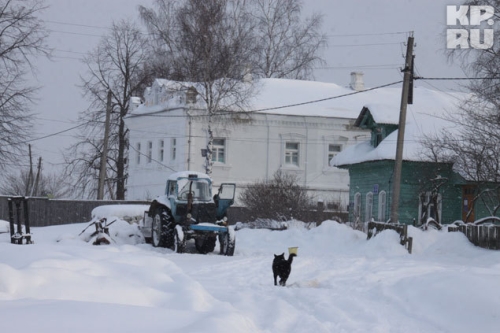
426	117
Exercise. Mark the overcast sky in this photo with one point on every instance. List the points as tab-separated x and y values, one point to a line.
365	35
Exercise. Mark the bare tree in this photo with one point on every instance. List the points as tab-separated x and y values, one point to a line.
281	198
288	45
209	43
473	149
22	37
472	146
117	64
46	185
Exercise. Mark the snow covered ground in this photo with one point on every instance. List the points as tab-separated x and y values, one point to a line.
340	282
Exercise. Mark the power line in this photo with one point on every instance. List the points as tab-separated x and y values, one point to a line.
455	78
370	34
369	44
78	25
151	158
74	33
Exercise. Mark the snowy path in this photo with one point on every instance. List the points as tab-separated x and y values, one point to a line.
339	283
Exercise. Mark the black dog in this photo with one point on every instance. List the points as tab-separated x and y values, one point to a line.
282	267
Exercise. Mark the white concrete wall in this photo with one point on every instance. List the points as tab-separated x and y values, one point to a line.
254	151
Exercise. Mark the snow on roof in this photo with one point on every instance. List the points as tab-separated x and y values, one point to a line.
427	116
272	94
311	98
185	174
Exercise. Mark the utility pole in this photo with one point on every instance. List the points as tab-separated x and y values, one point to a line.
35	190
104	154
29	183
398	162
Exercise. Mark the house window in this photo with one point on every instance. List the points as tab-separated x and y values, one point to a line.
161	150
382	206
173	149
150	151
357	207
369	206
138	151
430	206
292	153
219	150
333	150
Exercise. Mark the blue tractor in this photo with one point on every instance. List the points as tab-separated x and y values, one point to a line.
187	211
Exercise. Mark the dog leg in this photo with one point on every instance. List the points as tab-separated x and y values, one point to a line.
275	282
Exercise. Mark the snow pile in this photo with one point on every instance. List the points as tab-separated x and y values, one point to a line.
130	213
4	226
340	282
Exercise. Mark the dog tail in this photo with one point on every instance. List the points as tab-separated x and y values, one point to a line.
290	257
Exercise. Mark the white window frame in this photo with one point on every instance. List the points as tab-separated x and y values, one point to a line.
369	206
292	154
150	152
219	151
138	151
161	150
356	211
332	154
332	140
382	206
173	149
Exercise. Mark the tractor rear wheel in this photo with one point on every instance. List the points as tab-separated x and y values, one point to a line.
161	229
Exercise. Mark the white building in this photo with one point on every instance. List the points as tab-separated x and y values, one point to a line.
167	135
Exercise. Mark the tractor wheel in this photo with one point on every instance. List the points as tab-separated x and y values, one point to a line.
179	240
205	245
227	243
161	230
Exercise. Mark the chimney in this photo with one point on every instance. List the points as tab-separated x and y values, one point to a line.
357	83
247	75
135	102
191	95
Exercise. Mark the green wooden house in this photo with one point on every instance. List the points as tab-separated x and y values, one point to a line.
428	189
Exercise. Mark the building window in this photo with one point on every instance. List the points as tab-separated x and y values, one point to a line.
161	150
219	150
382	206
369	206
173	149
292	153
357	207
333	150
150	151
138	151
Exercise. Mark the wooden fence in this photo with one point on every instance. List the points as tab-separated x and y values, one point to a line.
485	236
46	212
402	229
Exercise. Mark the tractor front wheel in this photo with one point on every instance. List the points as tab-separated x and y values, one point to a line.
227	242
205	244
179	240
